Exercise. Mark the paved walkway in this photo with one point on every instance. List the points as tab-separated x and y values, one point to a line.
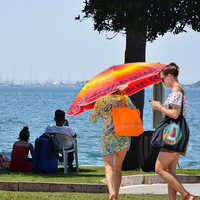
160	188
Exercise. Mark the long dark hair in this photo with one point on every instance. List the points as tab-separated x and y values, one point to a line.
24	134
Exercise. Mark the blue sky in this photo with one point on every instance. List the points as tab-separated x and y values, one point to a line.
40	41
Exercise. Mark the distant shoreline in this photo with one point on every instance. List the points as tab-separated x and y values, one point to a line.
41	85
77	84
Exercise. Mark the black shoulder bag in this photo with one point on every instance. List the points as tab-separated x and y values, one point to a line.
172	134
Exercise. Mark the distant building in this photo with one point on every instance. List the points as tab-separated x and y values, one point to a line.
81	83
8	83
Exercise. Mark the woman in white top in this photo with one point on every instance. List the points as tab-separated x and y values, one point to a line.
167	160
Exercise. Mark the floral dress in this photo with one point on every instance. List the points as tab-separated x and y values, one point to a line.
176	98
110	142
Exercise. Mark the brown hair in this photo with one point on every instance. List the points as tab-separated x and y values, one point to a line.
172	69
119	92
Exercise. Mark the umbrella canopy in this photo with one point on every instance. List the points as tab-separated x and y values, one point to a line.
137	75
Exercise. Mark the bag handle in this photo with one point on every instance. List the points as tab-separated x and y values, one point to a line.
122	94
122	100
182	104
183	92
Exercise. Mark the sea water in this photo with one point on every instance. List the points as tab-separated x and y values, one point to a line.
35	106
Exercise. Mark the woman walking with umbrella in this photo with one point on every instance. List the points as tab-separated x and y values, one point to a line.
113	147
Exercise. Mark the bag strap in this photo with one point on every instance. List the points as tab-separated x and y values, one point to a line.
122	100
182	104
182	91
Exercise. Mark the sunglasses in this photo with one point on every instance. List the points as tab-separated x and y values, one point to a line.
164	77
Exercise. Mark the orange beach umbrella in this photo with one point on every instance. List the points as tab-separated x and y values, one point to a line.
137	75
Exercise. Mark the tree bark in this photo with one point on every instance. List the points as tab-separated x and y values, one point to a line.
135	52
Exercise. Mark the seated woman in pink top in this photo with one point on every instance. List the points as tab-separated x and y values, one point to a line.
19	157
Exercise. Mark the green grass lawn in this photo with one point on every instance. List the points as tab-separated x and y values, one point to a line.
76	196
89	174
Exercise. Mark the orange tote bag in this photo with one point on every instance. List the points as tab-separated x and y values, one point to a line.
127	121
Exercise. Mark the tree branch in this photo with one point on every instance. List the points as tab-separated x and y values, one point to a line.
115	35
111	37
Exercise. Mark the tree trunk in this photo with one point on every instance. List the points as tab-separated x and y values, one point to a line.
135	52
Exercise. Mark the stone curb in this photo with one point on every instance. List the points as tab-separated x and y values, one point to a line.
52	187
155	178
90	188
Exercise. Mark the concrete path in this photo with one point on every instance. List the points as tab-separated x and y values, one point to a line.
160	188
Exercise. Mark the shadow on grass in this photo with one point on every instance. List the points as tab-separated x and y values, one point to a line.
85	173
91	174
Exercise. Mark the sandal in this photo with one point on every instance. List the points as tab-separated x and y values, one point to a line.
188	195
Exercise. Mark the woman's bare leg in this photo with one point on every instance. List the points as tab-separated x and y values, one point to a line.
172	169
119	157
163	161
108	163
